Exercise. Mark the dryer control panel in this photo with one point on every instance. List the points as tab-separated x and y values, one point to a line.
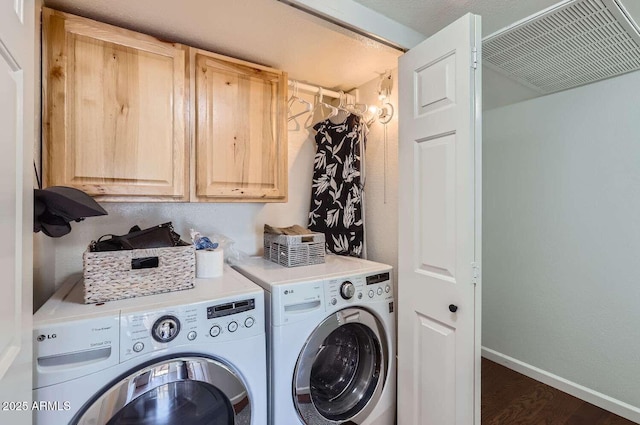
204	322
345	291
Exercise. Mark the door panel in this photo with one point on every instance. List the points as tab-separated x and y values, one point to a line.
114	111
439	223
438	404
434	182
11	92
17	135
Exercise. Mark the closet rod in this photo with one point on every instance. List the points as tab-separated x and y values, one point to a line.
315	89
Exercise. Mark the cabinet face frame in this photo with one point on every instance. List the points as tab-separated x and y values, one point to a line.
170	182
252	159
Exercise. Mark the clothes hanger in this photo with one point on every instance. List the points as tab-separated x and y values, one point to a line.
295	99
343	111
359	109
321	111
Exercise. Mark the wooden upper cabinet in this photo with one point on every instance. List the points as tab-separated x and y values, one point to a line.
114	119
239	130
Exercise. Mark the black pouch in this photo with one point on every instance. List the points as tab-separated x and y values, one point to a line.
161	236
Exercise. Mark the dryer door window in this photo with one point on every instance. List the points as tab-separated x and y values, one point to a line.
175	391
342	369
177	403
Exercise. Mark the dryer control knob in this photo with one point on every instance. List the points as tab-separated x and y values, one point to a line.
371	293
165	329
249	321
214	331
347	290
233	326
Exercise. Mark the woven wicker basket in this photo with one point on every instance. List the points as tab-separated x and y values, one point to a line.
294	250
111	275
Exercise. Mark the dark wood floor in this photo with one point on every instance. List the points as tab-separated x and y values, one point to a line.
509	398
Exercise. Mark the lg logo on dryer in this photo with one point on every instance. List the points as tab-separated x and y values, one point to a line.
43	337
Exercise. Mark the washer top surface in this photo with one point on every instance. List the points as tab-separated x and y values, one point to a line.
67	303
267	273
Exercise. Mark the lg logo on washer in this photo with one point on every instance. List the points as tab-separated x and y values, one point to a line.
44	337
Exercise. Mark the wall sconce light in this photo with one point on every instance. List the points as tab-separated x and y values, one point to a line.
386	110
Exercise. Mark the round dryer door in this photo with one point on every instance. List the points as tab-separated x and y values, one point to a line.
188	390
341	371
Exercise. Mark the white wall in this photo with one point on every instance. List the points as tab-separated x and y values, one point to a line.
498	90
57	259
561	232
242	222
381	211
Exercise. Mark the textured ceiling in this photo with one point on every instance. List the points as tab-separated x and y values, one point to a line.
262	31
430	16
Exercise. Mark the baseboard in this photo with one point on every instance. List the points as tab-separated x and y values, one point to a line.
618	407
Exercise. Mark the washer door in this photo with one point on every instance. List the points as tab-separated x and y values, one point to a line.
186	390
341	370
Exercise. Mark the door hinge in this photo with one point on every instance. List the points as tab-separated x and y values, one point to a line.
474	58
475	273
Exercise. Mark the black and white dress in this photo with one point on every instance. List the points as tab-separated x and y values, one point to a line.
337	189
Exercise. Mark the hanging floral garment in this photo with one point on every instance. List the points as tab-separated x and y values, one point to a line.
337	189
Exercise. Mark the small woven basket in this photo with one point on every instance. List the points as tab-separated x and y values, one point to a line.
294	250
114	275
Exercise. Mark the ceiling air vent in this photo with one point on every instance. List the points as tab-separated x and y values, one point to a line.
571	44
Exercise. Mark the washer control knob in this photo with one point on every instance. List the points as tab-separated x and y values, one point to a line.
249	321
233	326
359	295
138	346
387	289
371	293
214	331
347	290
165	329
379	291
334	301
192	335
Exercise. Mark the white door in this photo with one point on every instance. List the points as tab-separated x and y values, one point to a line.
439	229
17	123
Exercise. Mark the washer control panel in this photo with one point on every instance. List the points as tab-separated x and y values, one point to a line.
361	288
205	322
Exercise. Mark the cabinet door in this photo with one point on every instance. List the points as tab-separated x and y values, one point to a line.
114	111
240	130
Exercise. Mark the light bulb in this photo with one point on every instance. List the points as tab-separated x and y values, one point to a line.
374	109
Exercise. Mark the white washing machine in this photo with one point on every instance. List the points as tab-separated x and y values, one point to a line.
331	341
194	357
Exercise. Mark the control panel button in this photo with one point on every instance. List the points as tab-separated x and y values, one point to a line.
347	290
165	329
215	331
371	293
192	335
379	291
387	289
334	301
359	295
138	346
249	321
233	326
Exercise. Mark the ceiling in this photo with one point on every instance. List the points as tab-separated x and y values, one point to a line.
311	50
429	16
261	31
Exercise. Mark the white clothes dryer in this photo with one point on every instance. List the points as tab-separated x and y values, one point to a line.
331	341
194	357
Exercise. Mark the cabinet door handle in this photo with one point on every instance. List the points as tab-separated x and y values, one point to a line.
453	308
